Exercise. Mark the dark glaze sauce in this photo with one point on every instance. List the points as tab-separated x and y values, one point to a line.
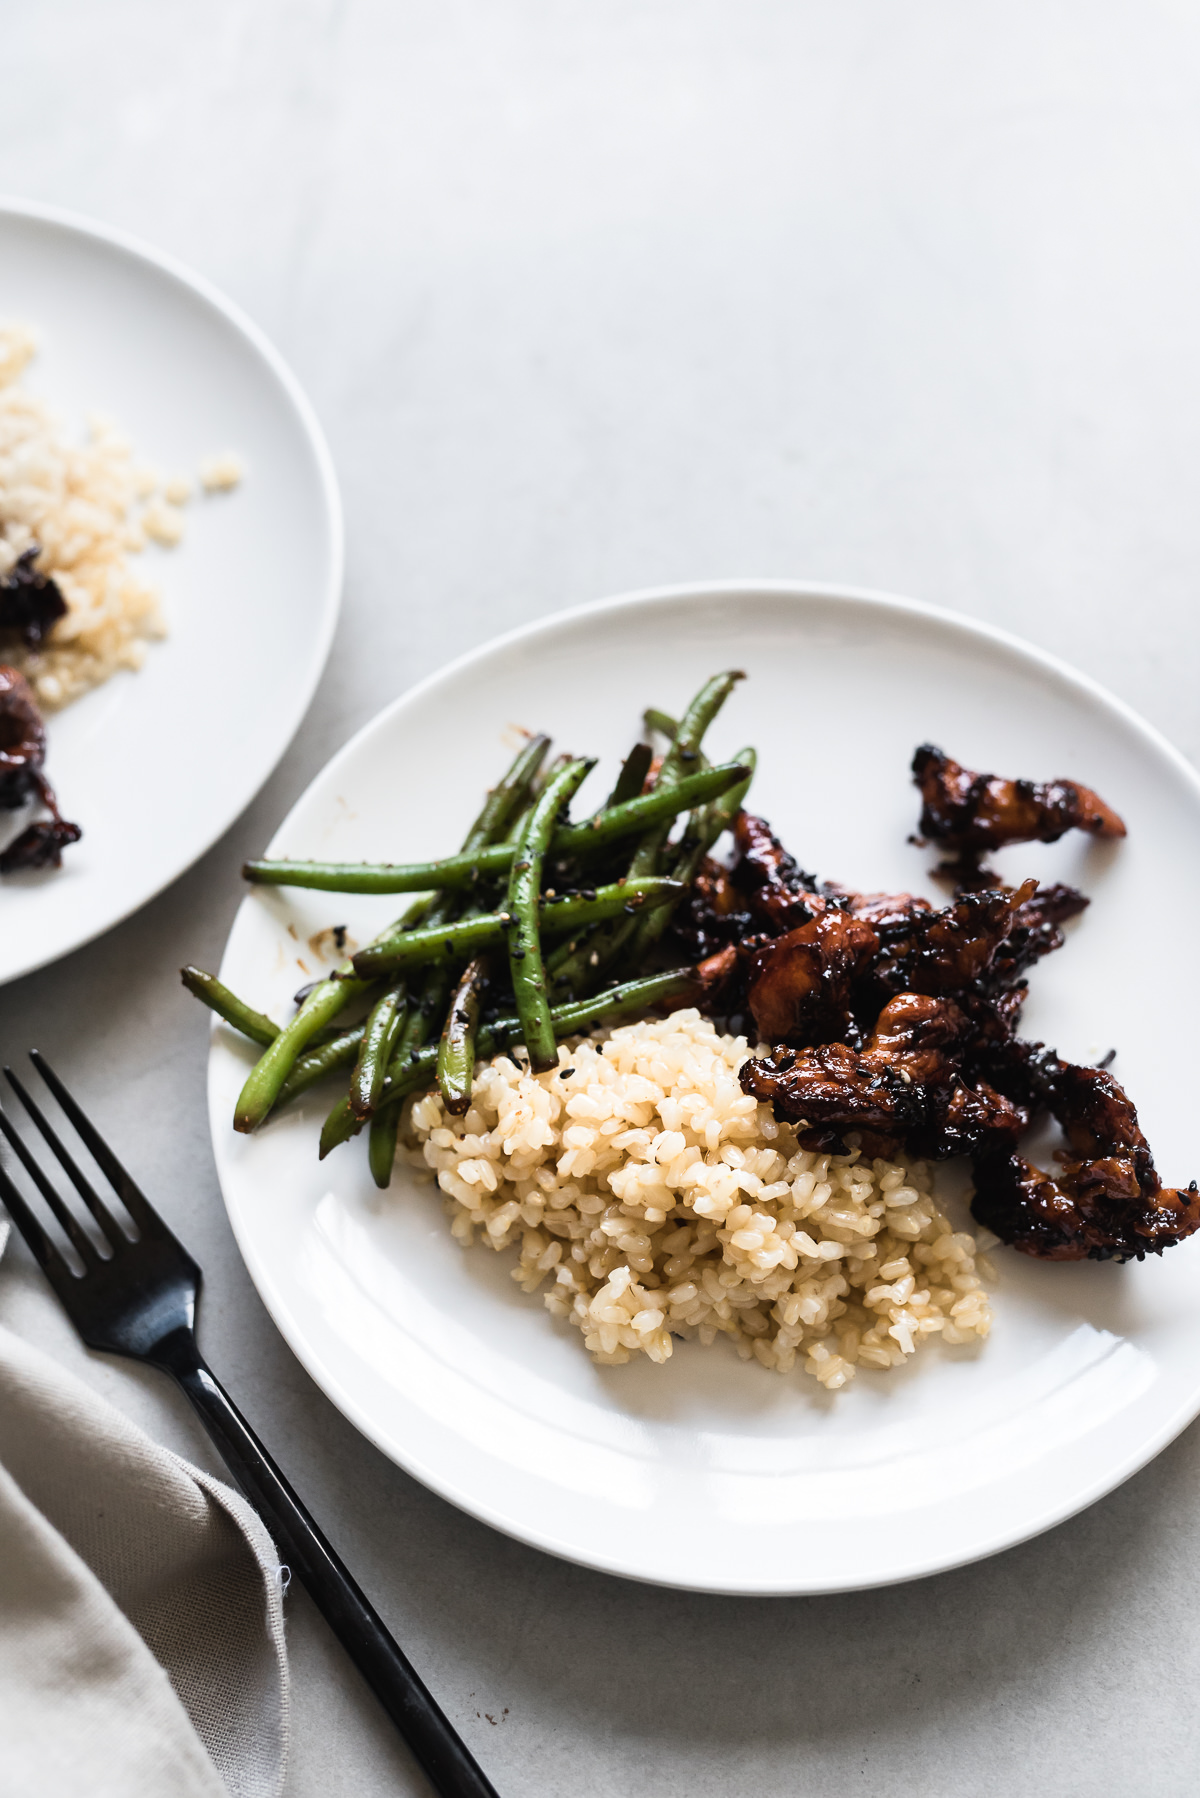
898	1020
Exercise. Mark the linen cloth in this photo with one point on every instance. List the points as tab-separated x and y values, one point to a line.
141	1618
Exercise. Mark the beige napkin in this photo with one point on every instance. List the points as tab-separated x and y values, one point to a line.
141	1615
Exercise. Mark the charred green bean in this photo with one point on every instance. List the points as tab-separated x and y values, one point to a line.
217	996
660	722
314	1064
678	762
455	872
272	1068
632	777
456	1051
525	906
380	1032
485	930
507	794
381	1145
720	814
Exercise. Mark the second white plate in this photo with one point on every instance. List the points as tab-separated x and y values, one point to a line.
155	765
710	1472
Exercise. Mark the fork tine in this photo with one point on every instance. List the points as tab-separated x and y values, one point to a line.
134	1200
80	1240
44	1251
95	1204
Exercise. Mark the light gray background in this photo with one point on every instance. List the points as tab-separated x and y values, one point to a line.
594	295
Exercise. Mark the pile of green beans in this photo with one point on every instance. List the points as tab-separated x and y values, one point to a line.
537	929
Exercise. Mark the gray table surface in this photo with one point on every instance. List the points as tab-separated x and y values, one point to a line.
590	297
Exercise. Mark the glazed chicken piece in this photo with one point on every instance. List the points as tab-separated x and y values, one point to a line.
776	889
22	754
904	1086
893	916
1092	1210
972	814
828	977
956	948
1035	930
30	603
799	985
996	1054
22	742
943	1072
1107	1200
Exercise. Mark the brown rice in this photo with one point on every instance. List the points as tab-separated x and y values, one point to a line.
90	507
658	1201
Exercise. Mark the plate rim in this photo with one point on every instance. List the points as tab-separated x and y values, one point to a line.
333	1387
137	250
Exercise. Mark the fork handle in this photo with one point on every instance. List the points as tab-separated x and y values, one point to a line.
443	1754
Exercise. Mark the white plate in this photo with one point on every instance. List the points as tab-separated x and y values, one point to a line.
155	765
710	1472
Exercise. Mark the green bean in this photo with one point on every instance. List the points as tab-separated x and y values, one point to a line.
342	1123
578	967
523	905
510	797
629	995
635	815
266	1078
517	821
649	808
254	1025
684	750
610	944
485	930
567	1020
562	953
456	1051
722	812
381	1138
328	998
383	1028
632	777
321	1005
455	872
703	829
662	722
380	1031
272	1068
491	822
381	1145
507	793
696	720
314	1064
217	996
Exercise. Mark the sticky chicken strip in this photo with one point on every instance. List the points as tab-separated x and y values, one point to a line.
22	782
972	814
905	1085
1106	1201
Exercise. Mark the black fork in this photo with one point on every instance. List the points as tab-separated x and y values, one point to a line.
139	1299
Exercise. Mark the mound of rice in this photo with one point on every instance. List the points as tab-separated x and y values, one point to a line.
89	506
658	1201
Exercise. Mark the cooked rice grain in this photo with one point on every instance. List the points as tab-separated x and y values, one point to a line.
659	1201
